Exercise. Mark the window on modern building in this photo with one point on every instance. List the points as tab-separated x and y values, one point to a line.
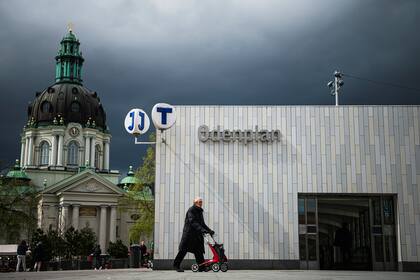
45	151
73	153
97	156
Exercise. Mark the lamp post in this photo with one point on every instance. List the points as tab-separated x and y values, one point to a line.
336	85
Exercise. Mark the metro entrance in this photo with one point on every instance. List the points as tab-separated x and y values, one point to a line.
347	232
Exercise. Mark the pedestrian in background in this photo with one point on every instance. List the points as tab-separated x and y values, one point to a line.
39	255
21	255
97	256
144	254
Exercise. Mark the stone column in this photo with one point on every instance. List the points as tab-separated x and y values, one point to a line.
53	157
75	216
102	228
40	214
60	150
87	150
43	216
113	224
92	152
22	153
25	158
106	155
63	218
30	150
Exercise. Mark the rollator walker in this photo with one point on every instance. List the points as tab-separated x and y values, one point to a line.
219	260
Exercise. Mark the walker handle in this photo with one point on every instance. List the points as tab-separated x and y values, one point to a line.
207	235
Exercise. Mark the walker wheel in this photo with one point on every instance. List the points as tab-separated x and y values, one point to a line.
224	267
194	267
215	267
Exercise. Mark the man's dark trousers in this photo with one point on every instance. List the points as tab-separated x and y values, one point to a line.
199	258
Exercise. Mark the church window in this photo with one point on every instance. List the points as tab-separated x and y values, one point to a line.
97	156
46	107
73	153
75	107
45	150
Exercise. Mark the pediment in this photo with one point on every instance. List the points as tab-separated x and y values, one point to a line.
85	182
91	186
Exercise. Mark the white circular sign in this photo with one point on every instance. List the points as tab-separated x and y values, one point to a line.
136	122
163	115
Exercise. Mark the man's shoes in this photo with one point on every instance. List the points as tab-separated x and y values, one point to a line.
178	269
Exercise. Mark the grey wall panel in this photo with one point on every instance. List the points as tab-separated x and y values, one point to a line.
250	191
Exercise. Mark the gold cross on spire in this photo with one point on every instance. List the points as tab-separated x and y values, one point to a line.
70	26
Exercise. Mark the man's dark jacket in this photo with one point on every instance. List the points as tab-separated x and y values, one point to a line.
192	237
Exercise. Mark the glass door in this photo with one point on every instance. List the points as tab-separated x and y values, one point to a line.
308	233
382	213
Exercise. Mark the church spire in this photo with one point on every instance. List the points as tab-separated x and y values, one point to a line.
69	60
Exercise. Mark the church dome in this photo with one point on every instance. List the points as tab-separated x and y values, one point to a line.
17	173
130	179
67	100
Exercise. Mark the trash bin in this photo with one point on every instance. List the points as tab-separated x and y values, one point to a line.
135	256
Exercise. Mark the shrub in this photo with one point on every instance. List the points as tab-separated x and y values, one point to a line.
118	250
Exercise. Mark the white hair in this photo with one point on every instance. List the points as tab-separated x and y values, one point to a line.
197	199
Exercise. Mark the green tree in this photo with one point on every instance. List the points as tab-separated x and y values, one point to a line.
118	249
72	238
18	203
54	245
73	243
146	173
87	241
140	197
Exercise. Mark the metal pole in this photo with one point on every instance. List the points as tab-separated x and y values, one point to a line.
336	89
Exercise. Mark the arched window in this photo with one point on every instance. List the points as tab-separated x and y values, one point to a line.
73	153
46	107
45	151
97	156
75	107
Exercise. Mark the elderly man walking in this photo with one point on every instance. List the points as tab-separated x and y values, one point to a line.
192	237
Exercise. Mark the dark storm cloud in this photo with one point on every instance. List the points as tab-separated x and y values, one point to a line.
207	52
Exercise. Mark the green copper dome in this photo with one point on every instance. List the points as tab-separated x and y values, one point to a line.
69	60
130	179
17	173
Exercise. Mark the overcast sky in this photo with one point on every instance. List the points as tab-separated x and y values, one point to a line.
138	53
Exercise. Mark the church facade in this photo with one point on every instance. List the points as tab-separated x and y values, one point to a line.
65	151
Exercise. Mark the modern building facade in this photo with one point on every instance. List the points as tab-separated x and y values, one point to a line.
278	182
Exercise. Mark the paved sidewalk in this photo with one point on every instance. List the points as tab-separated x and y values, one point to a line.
128	274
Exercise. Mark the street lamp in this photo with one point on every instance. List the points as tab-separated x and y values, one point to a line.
336	85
